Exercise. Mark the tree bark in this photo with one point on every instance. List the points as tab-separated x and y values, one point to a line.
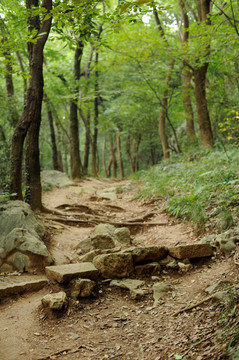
96	116
53	136
200	74
31	117
112	160
186	77
201	104
121	165
104	156
74	125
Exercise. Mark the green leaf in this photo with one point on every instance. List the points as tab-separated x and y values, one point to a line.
178	357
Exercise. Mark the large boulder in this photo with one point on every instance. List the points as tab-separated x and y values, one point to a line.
113	265
21	245
55	178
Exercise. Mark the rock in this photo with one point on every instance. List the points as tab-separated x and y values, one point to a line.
7	289
117	265
85	245
102	242
137	294
55	178
191	251
122	235
160	290
18	214
103	229
110	194
129	284
172	265
148	254
6	268
82	288
216	286
21	246
223	297
227	246
89	256
148	269
57	301
184	268
165	261
65	273
20	261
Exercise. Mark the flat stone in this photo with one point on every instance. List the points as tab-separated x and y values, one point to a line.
146	254
129	284
191	251
137	294
65	273
7	289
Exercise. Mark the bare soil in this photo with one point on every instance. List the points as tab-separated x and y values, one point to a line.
111	325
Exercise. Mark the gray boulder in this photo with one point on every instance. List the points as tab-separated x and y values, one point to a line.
55	178
21	247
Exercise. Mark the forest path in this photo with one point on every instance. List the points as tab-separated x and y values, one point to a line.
113	326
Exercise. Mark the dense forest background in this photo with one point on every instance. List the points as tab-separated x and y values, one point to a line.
126	85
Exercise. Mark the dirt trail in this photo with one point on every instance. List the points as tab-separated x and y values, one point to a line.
113	326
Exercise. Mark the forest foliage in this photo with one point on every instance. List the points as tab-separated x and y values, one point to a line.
126	85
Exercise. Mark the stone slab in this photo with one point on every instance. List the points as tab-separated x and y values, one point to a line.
191	251
7	289
148	254
67	272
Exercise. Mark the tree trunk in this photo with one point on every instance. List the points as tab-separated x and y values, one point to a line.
164	101
53	136
186	77
200	74
103	156
121	165
31	116
9	83
112	160
96	116
74	125
136	143
187	104
87	140
201	104
128	152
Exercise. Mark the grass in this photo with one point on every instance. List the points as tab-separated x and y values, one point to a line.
202	188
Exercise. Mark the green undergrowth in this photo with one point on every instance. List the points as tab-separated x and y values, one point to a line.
202	188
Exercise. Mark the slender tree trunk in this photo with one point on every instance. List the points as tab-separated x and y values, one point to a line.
87	140
200	75
74	124
121	165
2	134
104	156
31	116
136	143
9	83
128	152
112	160
164	101
96	116
53	136
186	76
187	103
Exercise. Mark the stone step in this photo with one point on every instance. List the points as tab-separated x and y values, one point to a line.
191	251
7	289
67	272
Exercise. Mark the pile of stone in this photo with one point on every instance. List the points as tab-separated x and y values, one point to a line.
108	254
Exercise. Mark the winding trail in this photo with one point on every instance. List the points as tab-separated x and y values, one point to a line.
113	326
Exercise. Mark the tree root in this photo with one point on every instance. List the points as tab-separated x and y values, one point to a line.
97	220
194	305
